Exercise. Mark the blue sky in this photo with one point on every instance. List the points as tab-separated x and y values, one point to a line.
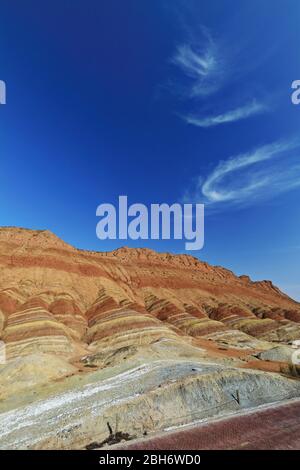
163	101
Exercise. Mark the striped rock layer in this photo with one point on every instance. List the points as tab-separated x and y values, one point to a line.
60	300
139	339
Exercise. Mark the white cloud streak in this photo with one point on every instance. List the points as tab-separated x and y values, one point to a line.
193	64
205	71
202	66
237	114
244	179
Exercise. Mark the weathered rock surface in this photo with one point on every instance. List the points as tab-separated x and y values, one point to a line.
31	371
135	338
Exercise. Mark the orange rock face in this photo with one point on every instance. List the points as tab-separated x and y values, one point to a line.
156	339
55	298
58	299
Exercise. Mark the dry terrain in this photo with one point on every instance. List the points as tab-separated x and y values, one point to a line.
109	346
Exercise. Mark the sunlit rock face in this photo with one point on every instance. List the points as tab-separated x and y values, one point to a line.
66	311
115	324
32	328
190	320
157	339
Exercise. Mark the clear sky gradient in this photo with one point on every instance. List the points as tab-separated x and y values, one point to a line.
163	101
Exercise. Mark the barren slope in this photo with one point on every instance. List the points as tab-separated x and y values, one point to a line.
153	338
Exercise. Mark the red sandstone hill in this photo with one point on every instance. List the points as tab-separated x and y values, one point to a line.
159	340
57	298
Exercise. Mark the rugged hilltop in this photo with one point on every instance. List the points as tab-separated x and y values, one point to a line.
155	339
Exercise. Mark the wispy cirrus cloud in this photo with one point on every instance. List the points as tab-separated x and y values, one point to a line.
206	68
202	66
247	178
251	109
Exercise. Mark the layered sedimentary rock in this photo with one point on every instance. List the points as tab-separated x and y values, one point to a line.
33	328
115	324
136	338
191	320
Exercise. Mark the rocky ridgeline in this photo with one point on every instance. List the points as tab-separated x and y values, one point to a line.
159	340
